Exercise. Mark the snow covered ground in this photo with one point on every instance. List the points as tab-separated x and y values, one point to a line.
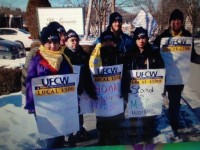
18	129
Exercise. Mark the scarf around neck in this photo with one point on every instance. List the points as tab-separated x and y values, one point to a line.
53	58
95	58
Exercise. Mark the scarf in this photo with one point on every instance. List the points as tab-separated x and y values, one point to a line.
173	33
53	58
95	57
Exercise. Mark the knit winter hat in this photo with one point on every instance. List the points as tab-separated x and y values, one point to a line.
57	26
115	17
71	33
176	14
49	34
107	35
139	33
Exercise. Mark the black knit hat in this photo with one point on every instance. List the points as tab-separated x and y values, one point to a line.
176	14
57	26
71	33
49	34
107	35
115	17
139	33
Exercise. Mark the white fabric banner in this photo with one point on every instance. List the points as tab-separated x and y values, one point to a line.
145	20
107	80
146	88
86	103
56	105
176	53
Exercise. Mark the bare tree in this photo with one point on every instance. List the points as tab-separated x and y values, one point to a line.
102	8
193	10
87	26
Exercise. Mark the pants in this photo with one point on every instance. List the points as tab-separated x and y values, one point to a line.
56	142
174	96
108	129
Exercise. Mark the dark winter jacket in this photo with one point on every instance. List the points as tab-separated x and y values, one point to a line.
39	67
149	56
195	58
81	58
124	43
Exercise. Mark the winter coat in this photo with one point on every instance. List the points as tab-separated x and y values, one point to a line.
81	58
195	58
34	48
148	59
107	56
124	43
39	67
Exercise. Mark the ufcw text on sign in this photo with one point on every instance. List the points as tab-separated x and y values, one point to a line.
51	86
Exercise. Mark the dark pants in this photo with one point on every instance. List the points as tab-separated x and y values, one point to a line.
174	96
107	128
81	121
56	142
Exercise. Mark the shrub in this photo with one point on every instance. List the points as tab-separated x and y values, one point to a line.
10	80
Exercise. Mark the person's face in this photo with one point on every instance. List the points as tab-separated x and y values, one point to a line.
116	26
62	39
72	42
141	42
52	45
176	24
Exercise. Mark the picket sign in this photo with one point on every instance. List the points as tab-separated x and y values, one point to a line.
85	102
107	80
56	105
176	53
146	88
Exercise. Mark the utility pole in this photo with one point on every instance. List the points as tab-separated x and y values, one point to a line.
112	6
103	6
87	26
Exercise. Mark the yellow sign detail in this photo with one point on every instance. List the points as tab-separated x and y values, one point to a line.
146	81
107	79
176	48
54	91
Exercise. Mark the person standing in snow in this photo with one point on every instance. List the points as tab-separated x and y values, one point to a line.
176	29
48	60
80	58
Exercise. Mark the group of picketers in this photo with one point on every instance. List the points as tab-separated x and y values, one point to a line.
60	49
